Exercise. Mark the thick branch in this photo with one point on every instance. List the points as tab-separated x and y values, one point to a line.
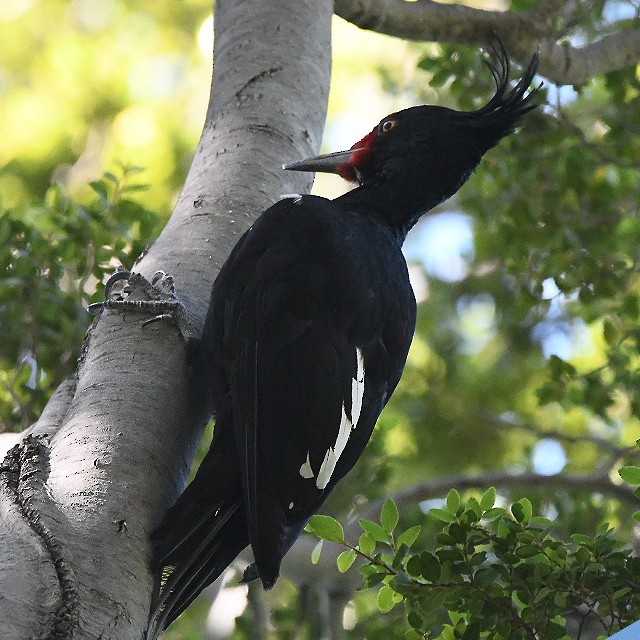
522	33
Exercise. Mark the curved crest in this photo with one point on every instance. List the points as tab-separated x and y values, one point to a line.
514	103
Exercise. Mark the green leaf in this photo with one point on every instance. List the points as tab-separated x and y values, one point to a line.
522	510
387	599
473	509
55	198
485	576
488	499
430	566
346	559
442	514
560	367
389	516
612	330
326	528
542	593
133	188
409	536
373	579
560	599
527	551
527	508
620	593
315	554
493	514
109	176
445	539
439	78
453	501
414	567
518	512
630	474
429	64
100	188
366	544
401	554
374	530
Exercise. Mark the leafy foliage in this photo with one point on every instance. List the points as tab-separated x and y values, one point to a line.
113	80
52	257
494	572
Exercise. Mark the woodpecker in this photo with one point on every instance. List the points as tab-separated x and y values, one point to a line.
306	337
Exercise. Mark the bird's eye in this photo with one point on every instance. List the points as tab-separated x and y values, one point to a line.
386	126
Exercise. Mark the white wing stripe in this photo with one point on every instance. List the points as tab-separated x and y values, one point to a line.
333	453
326	469
357	390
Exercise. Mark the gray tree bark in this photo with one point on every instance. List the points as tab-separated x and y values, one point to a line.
82	490
545	27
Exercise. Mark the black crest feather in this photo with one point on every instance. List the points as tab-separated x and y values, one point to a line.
506	104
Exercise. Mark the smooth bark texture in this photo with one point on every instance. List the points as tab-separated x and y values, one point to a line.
80	495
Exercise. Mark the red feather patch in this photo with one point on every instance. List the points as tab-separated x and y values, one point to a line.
364	148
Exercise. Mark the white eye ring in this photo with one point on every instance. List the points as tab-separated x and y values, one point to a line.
386	125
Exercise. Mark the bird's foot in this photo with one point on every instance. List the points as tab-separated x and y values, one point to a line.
127	291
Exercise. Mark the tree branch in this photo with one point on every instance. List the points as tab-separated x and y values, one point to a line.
522	33
529	482
615	451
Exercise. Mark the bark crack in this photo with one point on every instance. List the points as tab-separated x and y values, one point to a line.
267	73
22	476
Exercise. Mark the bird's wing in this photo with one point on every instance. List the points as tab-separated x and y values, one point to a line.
301	326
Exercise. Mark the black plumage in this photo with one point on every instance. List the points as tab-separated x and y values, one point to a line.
306	337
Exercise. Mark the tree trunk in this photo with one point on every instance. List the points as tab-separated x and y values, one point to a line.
80	495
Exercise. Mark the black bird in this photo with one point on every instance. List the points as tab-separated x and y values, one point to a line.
306	337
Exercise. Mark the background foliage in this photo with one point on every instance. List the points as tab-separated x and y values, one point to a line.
526	357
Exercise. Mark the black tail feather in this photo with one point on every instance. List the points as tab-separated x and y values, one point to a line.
191	550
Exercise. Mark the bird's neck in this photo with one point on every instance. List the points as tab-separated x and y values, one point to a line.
397	209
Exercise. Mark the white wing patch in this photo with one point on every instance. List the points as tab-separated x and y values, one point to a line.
331	457
333	453
357	390
305	470
296	197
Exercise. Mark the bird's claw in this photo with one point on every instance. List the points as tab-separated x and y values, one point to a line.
250	574
136	293
111	292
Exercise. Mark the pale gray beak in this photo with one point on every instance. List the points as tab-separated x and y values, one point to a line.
327	163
